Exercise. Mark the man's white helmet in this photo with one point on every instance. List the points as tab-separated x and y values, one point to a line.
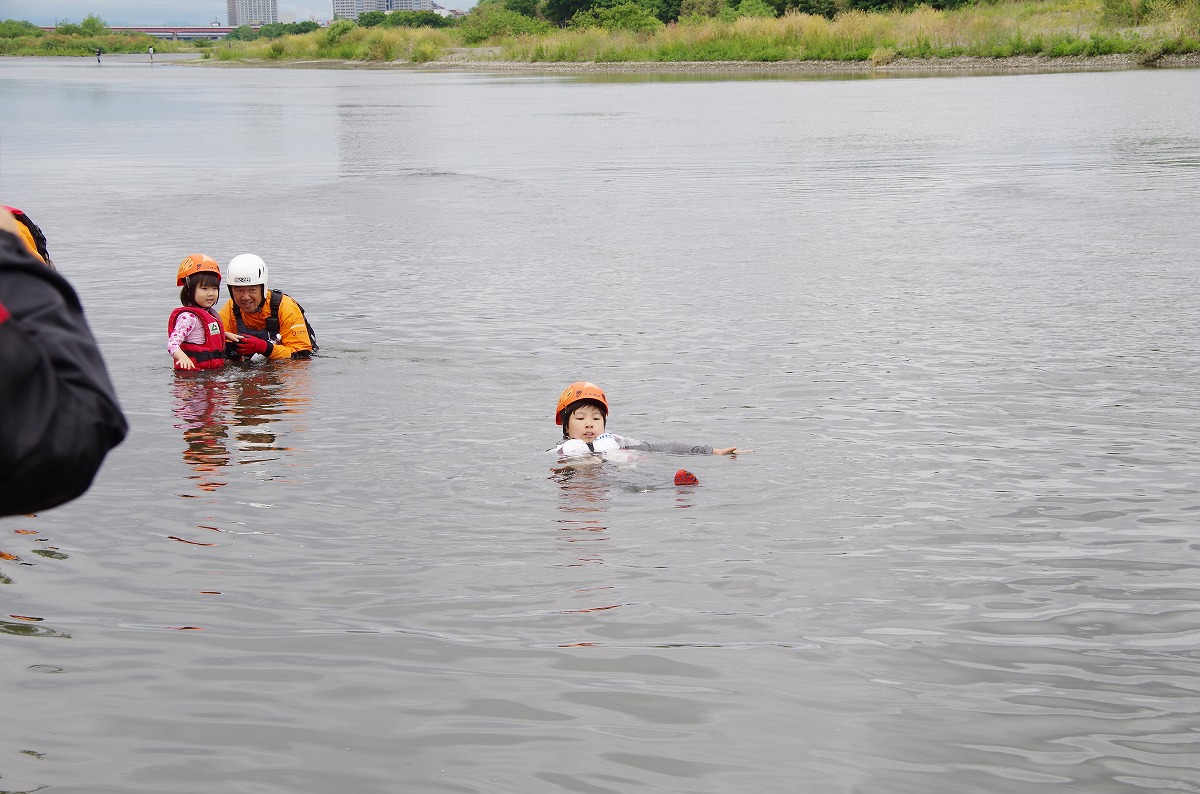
246	270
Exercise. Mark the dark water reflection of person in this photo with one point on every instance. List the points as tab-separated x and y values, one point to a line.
588	487
246	404
584	494
201	404
262	397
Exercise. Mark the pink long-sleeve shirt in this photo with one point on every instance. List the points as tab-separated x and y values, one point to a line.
187	329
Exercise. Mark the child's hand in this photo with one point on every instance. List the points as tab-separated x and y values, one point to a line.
731	451
230	336
185	363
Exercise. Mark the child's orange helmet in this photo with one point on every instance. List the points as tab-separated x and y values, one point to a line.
196	263
580	390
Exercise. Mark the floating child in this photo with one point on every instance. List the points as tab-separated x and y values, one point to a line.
583	413
196	338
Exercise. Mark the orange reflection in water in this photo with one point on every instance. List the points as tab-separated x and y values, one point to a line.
237	410
201	402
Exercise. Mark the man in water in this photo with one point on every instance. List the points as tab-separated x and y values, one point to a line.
269	322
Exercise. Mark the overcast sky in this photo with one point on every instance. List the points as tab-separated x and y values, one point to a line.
161	12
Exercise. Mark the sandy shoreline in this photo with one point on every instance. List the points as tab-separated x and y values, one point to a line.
1022	64
475	60
902	65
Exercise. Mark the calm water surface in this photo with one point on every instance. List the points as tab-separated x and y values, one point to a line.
956	318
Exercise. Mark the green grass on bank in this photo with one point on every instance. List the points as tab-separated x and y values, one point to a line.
60	44
985	30
344	41
18	37
999	30
740	32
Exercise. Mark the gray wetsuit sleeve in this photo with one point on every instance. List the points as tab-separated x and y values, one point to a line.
673	447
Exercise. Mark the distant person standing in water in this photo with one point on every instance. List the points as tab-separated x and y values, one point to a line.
151	51
269	322
98	56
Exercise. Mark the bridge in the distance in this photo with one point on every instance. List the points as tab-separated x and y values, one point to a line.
213	32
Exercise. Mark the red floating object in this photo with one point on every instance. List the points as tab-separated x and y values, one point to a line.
685	477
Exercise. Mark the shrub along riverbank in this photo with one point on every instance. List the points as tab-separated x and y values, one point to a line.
925	33
24	38
626	31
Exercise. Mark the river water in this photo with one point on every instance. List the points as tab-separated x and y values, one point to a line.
955	318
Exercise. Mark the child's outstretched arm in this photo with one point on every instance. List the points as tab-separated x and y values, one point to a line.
182	361
676	448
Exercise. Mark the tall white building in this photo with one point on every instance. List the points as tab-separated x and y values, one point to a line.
350	9
252	12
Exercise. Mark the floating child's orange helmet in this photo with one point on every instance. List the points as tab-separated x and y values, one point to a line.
196	263
580	390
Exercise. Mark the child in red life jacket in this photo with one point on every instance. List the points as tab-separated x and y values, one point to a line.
196	338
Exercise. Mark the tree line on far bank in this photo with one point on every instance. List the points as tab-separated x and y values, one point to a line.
273	30
649	14
19	37
663	30
368	19
490	19
404	19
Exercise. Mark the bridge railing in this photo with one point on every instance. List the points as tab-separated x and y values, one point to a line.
213	32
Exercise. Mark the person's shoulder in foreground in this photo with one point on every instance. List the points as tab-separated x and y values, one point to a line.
582	412
60	414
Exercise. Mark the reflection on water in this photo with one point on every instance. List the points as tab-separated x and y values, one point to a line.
263	399
201	403
584	487
29	628
257	406
584	494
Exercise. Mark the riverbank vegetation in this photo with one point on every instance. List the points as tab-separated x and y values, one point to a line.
18	37
343	40
615	31
1000	30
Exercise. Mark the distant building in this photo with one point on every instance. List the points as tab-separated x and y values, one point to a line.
347	9
350	9
252	12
